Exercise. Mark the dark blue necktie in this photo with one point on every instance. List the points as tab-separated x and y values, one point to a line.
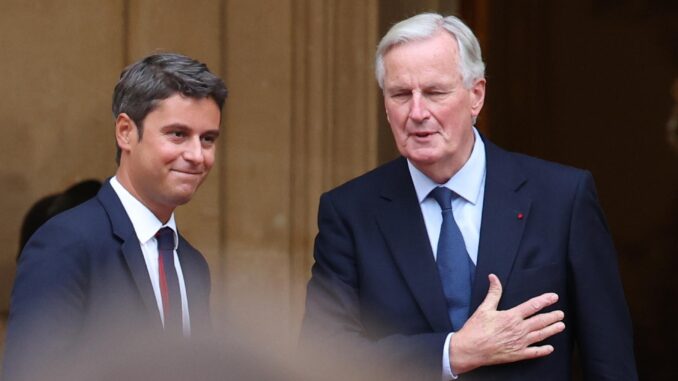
169	282
455	267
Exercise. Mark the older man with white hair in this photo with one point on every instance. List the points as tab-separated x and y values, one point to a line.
458	258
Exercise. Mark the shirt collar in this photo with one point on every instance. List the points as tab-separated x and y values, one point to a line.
145	223
467	182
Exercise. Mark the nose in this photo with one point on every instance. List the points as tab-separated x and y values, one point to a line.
418	111
193	151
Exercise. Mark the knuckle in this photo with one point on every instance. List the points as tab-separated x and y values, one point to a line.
540	335
548	320
538	303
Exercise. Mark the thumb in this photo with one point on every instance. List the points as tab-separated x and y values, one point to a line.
493	294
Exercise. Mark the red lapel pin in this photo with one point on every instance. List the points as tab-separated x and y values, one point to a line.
520	216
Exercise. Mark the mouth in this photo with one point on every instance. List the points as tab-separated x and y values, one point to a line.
187	173
422	134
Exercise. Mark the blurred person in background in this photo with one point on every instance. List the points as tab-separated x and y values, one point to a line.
53	204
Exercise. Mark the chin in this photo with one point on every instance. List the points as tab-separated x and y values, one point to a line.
181	198
186	188
423	158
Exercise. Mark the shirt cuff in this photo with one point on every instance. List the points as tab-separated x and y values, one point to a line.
448	374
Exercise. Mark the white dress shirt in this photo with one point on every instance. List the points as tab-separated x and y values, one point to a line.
146	225
469	184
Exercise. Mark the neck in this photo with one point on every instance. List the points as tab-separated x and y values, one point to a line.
162	214
443	170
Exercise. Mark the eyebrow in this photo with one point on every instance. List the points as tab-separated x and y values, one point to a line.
175	125
213	133
396	89
182	126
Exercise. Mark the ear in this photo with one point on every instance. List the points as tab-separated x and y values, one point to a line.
477	96
126	132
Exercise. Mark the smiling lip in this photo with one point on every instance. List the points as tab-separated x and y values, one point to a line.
191	173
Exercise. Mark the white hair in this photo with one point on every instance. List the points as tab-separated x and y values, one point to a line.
425	25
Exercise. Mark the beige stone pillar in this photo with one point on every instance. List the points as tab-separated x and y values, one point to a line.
60	60
301	120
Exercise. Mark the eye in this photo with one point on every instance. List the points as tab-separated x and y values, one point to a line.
209	139
400	95
177	133
437	94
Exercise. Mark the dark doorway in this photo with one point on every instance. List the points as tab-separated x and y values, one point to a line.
588	84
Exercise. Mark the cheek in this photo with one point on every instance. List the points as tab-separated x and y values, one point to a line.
209	159
399	135
395	113
168	153
449	119
397	121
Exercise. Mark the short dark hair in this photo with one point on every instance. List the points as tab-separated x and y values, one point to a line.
157	77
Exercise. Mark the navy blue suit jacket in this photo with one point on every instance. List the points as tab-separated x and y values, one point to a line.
376	287
82	285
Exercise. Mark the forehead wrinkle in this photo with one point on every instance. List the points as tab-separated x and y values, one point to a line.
421	80
423	62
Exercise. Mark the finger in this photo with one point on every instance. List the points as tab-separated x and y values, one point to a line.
542	320
526	353
534	352
493	294
535	304
544	333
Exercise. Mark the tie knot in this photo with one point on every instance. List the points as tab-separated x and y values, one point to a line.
165	237
443	196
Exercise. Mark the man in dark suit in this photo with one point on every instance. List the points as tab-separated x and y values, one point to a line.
114	270
461	259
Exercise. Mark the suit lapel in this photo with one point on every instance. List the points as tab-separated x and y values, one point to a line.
505	213
131	249
402	225
195	284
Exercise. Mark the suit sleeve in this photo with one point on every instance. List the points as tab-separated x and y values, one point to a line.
332	325
47	302
602	322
